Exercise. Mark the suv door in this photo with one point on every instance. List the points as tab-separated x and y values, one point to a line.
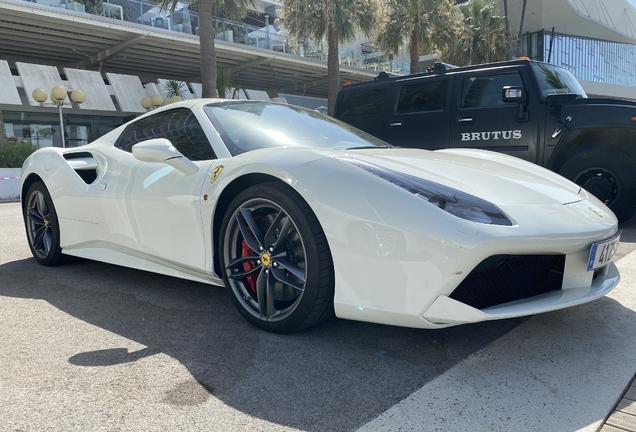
417	114
481	119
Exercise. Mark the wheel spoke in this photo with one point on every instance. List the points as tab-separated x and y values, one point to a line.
35	216
240	260
241	275
252	235
261	288
295	270
271	309
41	204
47	240
287	226
270	235
282	277
39	236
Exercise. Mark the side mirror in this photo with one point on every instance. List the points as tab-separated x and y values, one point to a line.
510	94
162	150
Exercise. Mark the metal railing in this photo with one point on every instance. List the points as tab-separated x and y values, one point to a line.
272	37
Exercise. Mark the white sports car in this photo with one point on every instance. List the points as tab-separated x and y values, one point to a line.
299	215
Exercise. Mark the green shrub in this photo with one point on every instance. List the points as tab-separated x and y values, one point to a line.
14	152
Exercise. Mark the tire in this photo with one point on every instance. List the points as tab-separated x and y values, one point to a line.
610	175
42	226
275	259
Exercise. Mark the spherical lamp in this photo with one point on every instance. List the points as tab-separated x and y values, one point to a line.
78	96
156	100
175	98
58	94
39	95
146	103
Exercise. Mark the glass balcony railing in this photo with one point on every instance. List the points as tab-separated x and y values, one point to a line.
182	20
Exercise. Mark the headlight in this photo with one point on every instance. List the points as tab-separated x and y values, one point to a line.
455	202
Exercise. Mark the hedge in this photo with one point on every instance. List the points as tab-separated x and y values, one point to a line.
14	152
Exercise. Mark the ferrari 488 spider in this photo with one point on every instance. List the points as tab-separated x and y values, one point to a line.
299	215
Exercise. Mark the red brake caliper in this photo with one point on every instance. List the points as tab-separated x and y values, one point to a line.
249	265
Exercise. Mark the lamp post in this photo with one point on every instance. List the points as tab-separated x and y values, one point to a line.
267	27
156	101
58	94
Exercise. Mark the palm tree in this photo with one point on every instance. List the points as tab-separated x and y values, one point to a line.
338	20
422	24
207	8
483	37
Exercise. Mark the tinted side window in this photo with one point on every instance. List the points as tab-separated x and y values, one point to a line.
427	96
361	103
179	125
484	91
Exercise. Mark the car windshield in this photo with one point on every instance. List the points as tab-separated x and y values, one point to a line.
246	126
556	80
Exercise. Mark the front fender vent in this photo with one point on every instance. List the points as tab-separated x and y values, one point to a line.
84	164
505	278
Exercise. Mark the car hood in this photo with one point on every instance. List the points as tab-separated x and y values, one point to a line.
495	177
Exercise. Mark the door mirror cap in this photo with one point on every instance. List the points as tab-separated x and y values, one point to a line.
162	150
510	94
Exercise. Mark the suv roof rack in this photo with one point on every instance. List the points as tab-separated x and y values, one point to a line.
441	67
386	75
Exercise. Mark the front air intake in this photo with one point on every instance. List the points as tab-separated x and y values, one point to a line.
505	278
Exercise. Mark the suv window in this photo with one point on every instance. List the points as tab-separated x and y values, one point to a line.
179	125
362	103
485	91
427	96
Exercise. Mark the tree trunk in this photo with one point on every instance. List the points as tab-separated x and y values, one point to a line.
333	68
208	52
415	53
474	54
3	134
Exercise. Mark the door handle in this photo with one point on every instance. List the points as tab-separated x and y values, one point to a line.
468	119
395	123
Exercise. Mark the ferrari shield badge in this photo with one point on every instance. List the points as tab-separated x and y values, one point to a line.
216	173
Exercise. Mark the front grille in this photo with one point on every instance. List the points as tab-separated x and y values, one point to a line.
505	278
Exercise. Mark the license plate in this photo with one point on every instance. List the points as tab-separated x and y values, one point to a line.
603	252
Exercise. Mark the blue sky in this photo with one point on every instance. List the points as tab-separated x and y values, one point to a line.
633	2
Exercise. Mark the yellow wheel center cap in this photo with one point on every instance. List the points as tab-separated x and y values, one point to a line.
46	222
266	259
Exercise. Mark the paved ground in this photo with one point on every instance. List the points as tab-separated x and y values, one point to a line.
89	346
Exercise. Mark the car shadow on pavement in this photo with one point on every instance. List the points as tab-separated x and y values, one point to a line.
335	376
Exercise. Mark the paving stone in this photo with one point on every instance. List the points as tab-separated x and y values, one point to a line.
608	428
622	421
627	406
631	392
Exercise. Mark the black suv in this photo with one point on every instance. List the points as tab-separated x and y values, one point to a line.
535	111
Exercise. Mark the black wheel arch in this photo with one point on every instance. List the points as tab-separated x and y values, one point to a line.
26	184
577	140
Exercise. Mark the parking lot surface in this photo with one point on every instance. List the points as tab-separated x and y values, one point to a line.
90	346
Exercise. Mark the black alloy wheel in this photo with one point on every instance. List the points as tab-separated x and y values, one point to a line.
608	175
42	227
275	259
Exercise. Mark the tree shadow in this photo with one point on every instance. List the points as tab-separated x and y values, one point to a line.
338	375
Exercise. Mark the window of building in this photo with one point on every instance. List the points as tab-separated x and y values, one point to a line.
43	129
427	96
180	126
485	91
